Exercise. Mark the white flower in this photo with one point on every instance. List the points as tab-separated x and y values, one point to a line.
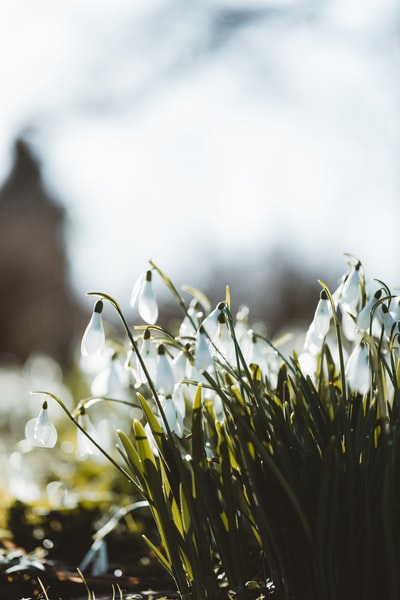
111	381
242	323
319	326
358	373
308	364
349	328
93	339
85	445
190	322
41	431
148	353
144	299
223	340
165	380
313	342
365	314
322	316
180	366
395	308
173	416
348	293
386	320
203	359
211	323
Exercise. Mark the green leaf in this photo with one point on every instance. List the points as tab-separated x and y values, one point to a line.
160	556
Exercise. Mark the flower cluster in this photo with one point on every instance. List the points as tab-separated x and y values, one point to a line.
234	442
355	322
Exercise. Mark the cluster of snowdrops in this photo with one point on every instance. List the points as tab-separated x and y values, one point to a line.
242	450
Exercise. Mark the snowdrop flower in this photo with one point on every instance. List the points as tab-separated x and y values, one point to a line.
190	322
211	324
242	322
254	351
348	294
41	431
203	359
144	299
173	416
319	326
349	328
387	321
395	341
223	341
165	380
313	342
395	308
358	373
308	364
364	316
179	397
322	316
148	353
180	365
112	381
85	445
93	339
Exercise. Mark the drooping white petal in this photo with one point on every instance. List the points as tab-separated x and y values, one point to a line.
136	290
313	342
358	372
179	397
308	364
395	308
349	327
180	366
366	315
190	322
148	353
147	303
173	416
93	339
351	291
112	381
203	359
143	298
211	323
41	431
165	379
223	341
85	445
322	316
254	350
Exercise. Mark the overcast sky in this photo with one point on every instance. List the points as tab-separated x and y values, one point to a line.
192	131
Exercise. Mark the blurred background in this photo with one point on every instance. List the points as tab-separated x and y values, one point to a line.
247	143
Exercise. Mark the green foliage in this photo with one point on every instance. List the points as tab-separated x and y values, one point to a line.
283	480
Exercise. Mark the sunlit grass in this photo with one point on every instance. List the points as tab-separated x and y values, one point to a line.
267	473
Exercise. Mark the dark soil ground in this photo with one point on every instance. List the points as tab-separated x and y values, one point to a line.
27	568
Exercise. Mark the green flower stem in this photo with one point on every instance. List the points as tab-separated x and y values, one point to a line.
174	291
135	348
92	400
339	339
240	360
